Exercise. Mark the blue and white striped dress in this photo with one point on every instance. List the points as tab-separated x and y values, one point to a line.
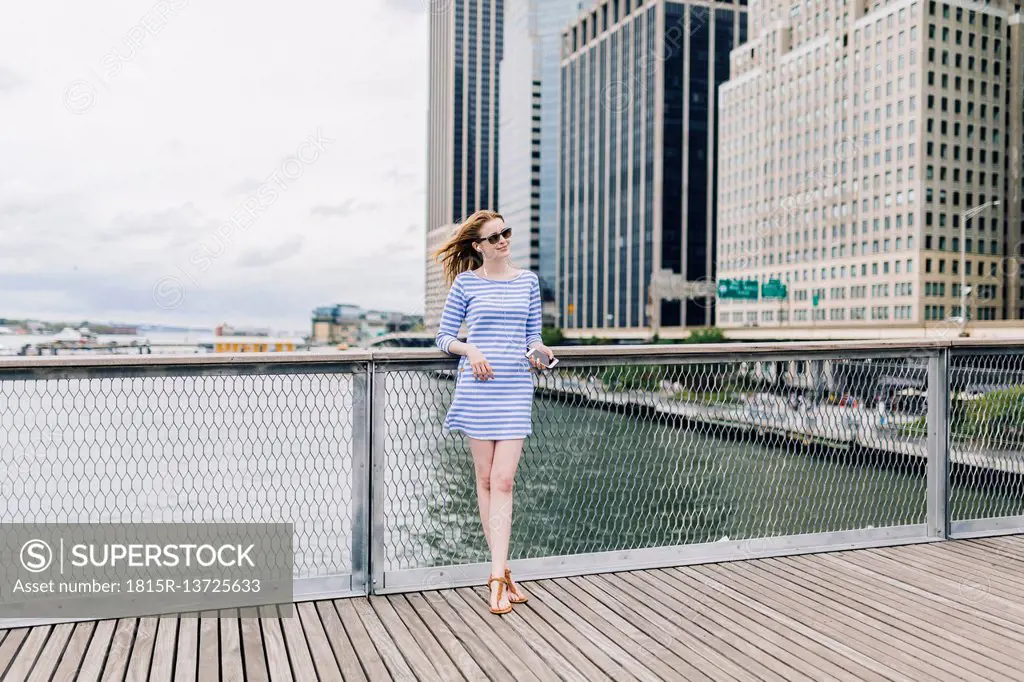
504	319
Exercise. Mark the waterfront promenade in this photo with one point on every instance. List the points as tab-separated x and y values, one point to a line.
697	544
933	611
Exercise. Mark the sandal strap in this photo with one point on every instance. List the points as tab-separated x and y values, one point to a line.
502	582
508	581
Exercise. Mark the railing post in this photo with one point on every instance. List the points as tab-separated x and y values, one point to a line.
378	404
362	437
938	445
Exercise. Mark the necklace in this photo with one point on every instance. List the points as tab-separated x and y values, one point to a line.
508	341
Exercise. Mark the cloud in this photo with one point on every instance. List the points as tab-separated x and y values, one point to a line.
102	205
179	224
345	208
396	176
9	80
245	186
414	6
256	258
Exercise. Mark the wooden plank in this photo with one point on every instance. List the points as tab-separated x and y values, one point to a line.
796	649
923	577
472	608
274	646
231	669
92	663
916	631
459	614
425	639
1010	547
389	651
870	635
911	596
368	655
25	659
972	562
142	651
530	651
74	652
458	640
553	620
49	657
9	648
999	557
298	649
711	621
120	648
164	650
344	652
209	647
186	662
933	607
654	653
564	659
633	658
672	633
1005	573
316	639
897	598
582	666
403	639
252	646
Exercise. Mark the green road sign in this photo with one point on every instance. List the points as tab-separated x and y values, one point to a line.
774	288
738	288
815	300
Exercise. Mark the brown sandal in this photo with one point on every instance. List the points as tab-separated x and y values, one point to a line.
502	583
514	595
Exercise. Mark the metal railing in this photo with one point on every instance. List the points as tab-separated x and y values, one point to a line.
640	456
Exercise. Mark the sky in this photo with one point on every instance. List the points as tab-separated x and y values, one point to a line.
187	162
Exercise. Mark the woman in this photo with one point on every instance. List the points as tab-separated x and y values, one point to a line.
493	400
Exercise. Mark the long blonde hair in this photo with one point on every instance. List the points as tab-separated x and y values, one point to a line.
457	254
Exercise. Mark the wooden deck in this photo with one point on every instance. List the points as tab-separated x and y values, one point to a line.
942	611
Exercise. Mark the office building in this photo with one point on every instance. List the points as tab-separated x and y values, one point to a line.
519	166
528	171
637	179
854	136
466	46
462	141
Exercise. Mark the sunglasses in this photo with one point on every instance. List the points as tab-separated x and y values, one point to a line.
493	239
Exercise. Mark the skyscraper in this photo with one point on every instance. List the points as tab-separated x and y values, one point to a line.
462	130
528	173
638	140
855	137
520	163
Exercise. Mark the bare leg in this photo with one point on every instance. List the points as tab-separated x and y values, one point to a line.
503	472
483	458
483	455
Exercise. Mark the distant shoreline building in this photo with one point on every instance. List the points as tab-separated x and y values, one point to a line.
352	325
466	48
851	145
637	180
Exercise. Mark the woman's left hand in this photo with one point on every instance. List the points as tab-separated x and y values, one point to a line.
543	349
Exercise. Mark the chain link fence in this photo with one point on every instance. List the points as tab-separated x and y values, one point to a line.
643	454
199	443
636	453
986	437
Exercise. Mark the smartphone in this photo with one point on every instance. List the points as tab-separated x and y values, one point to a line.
542	358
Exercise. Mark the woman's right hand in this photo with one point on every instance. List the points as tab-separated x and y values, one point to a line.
481	368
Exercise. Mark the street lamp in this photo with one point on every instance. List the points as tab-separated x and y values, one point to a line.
966	216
